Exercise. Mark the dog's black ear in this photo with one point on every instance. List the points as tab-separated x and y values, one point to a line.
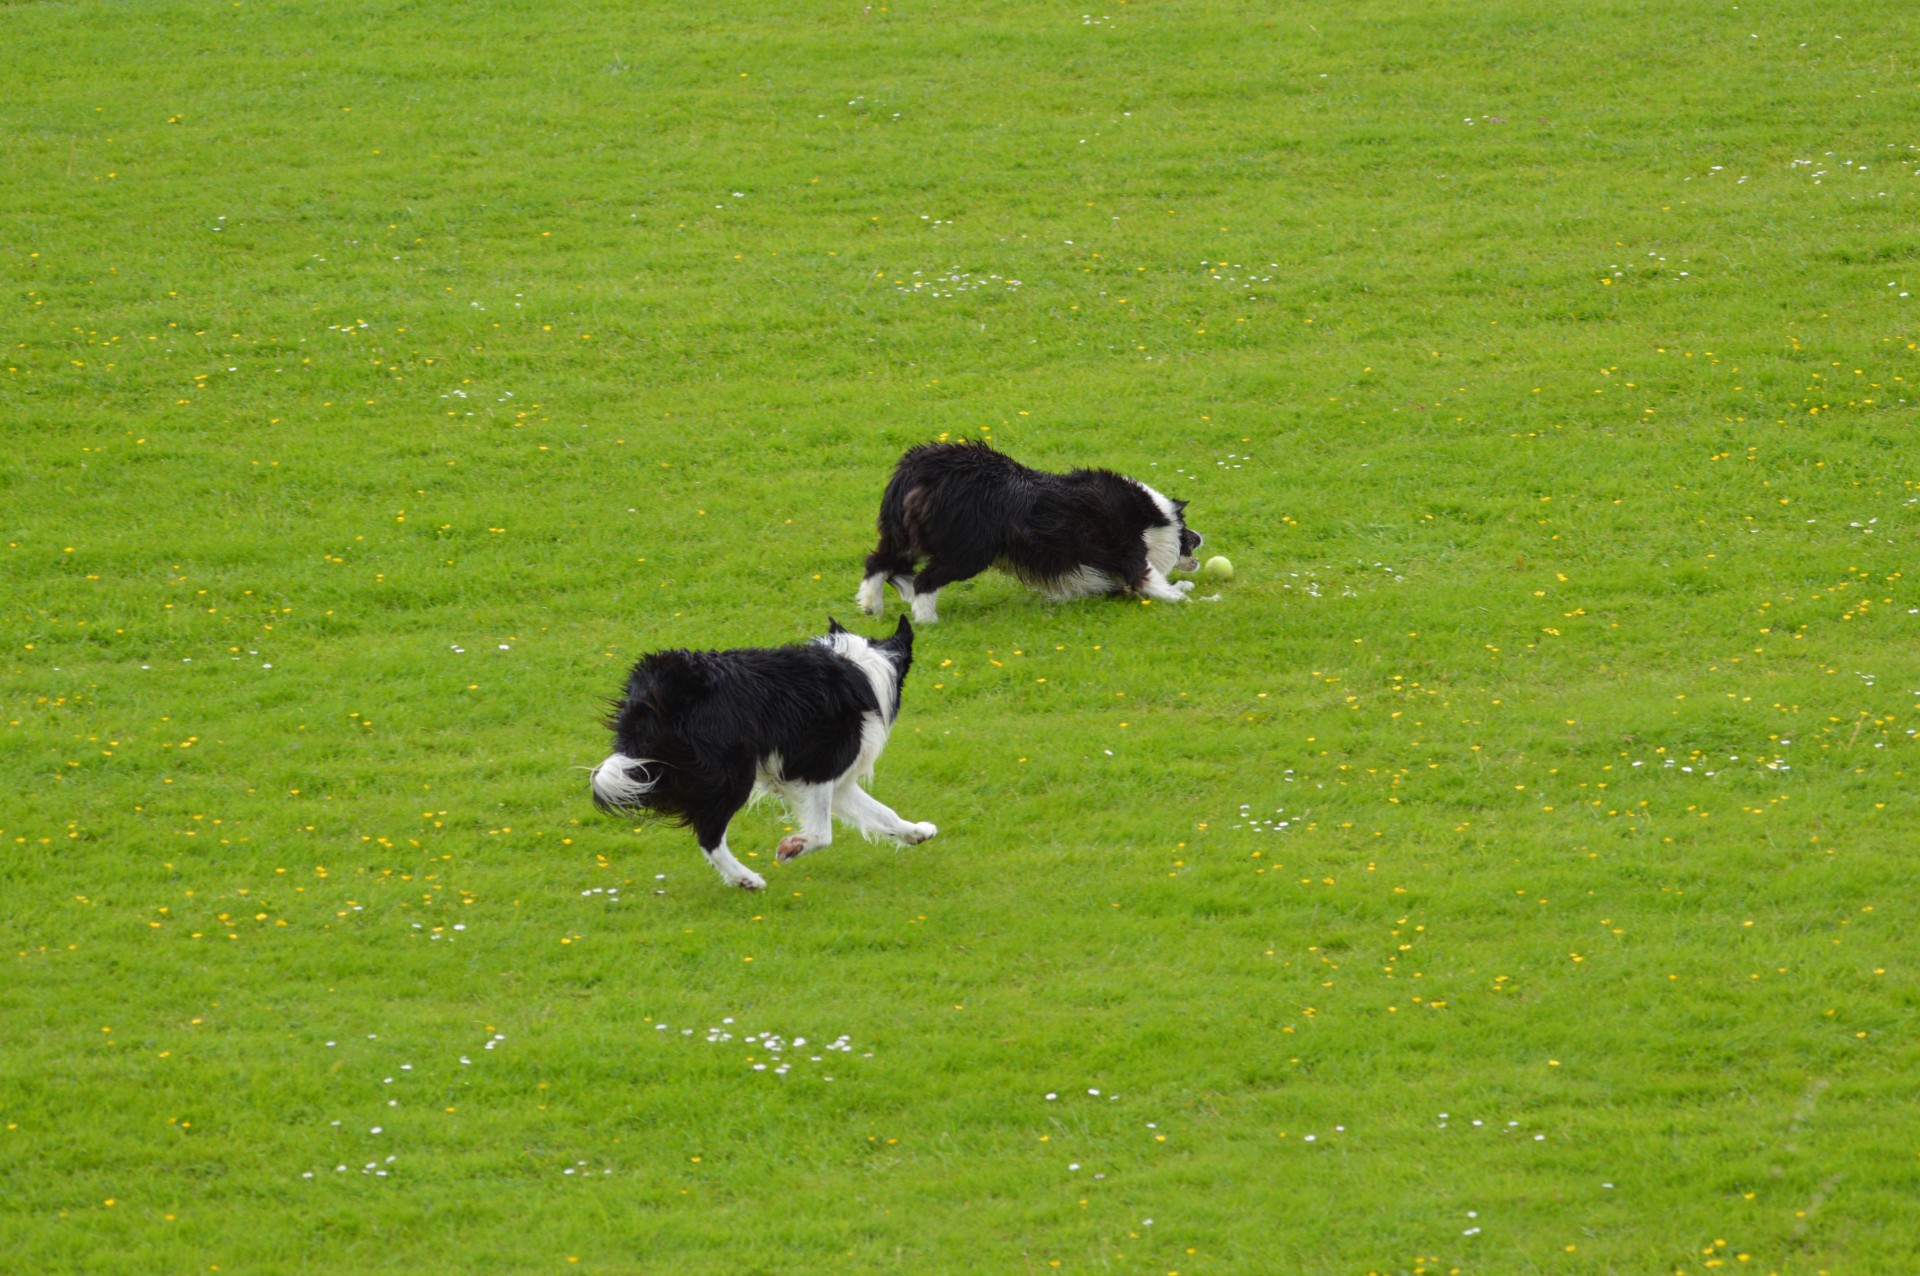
1179	507
903	634
835	627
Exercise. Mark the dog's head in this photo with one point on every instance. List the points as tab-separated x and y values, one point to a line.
899	648
1190	540
896	653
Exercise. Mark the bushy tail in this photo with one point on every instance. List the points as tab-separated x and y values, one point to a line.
621	783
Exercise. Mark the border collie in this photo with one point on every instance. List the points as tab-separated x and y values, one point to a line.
701	733
963	507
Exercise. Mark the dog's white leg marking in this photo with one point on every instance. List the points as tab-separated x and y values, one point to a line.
870	815
732	871
923	612
905	585
1184	586
872	597
1158	586
813	809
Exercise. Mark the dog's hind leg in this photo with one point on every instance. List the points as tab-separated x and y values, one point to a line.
886	563
924	592
813	810
731	870
710	827
948	566
870	815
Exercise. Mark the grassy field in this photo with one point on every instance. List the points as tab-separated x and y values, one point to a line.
1512	871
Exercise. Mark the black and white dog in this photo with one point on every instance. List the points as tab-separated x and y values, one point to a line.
700	733
963	507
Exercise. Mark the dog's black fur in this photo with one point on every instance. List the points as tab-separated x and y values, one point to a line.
963	507
696	730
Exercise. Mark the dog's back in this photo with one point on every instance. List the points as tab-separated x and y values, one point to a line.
957	495
948	497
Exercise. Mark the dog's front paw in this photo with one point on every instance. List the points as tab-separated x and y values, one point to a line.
747	880
792	848
918	833
1184	586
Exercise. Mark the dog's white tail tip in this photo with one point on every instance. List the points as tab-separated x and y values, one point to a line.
621	781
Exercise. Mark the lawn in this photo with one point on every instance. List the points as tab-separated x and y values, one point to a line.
1510	870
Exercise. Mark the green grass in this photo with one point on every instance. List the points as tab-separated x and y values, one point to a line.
382	379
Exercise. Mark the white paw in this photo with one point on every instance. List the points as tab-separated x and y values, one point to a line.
923	613
870	599
1184	586
918	833
746	879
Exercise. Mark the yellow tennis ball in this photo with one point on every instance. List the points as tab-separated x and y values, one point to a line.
1218	568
